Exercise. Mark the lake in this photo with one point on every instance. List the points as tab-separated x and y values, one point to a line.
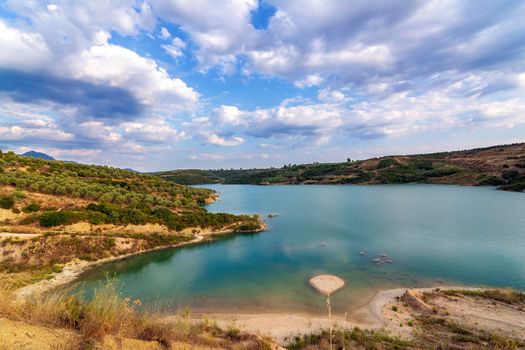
432	233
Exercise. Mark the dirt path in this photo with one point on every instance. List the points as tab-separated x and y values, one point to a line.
19	235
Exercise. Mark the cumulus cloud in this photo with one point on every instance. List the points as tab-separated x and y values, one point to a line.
155	129
20	133
309	81
330	95
219	29
120	67
231	115
165	33
22	49
222	141
79	76
175	48
461	104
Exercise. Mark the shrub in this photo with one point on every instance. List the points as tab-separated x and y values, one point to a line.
386	162
56	218
6	202
31	208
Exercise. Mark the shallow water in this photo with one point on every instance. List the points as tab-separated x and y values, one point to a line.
432	233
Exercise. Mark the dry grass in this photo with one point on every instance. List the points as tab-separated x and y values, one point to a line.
508	295
109	314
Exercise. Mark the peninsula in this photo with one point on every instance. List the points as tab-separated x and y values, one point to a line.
56	215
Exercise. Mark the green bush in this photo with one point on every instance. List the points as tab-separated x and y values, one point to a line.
31	208
386	162
6	202
56	218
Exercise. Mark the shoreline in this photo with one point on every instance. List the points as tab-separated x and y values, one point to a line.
72	270
282	326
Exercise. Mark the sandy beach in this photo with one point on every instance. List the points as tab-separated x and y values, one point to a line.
378	313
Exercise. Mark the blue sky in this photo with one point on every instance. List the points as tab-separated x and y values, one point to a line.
164	84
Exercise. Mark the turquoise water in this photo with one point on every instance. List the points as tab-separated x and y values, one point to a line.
432	233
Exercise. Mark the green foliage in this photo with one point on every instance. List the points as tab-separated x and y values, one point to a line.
119	197
31	208
469	167
386	163
97	183
117	215
7	202
57	218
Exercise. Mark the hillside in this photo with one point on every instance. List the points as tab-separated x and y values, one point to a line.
53	213
502	166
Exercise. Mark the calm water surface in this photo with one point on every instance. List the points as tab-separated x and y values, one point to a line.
460	235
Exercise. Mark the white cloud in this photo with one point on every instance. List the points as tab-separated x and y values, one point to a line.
71	26
231	115
220	29
207	156
309	81
22	50
99	131
175	48
329	95
121	67
17	132
154	129
221	141
164	33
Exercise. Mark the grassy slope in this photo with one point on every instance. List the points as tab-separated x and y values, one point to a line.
502	166
94	212
59	320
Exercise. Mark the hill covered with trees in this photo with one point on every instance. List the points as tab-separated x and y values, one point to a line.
53	212
502	166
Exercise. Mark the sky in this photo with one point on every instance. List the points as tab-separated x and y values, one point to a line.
165	84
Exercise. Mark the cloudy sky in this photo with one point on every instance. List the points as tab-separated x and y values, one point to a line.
163	84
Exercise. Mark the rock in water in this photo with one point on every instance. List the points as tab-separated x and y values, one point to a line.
327	284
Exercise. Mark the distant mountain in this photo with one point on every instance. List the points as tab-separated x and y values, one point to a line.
40	155
132	170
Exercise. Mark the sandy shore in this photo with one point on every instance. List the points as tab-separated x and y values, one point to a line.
283	326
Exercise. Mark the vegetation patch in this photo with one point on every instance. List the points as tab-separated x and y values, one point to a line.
508	296
6	202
